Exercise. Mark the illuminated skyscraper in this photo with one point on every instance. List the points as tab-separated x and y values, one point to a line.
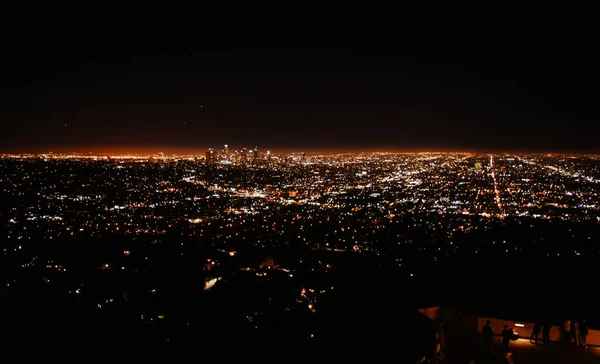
255	156
303	158
226	152
244	156
210	156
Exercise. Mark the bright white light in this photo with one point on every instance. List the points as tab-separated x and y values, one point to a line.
519	325
210	283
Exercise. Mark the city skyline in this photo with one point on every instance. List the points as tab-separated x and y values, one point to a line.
200	150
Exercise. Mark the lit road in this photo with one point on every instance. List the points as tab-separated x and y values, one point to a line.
560	171
496	191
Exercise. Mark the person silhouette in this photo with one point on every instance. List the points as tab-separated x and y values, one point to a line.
576	333
537	328
567	331
488	337
506	337
441	336
584	330
546	333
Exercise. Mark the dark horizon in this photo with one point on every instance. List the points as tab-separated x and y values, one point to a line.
302	99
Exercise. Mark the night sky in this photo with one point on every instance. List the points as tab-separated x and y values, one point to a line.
537	94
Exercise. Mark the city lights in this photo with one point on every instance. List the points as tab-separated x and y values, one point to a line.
267	223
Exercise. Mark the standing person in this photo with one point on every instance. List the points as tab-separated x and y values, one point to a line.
567	331
546	333
488	337
584	330
506	336
442	337
535	334
576	334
